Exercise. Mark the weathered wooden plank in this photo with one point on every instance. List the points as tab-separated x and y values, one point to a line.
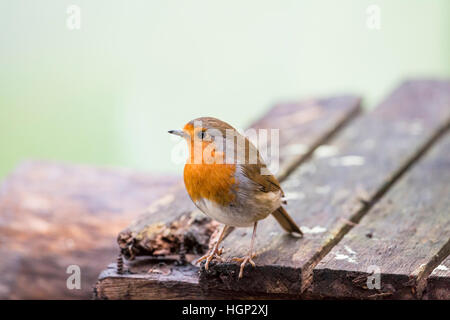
404	237
174	221
332	191
438	283
54	215
166	279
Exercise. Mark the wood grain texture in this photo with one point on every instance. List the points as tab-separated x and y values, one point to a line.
174	222
406	235
332	191
55	215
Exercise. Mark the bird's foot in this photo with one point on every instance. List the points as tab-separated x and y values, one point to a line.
244	260
214	253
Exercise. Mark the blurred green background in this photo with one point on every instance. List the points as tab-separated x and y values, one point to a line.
107	94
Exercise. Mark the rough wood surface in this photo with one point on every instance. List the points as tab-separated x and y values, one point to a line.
54	215
332	191
174	222
406	236
438	283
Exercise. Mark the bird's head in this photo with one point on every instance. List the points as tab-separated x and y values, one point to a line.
206	138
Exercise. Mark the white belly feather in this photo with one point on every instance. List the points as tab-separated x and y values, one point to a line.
241	215
224	215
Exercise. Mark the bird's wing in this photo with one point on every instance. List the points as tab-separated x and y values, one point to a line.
266	182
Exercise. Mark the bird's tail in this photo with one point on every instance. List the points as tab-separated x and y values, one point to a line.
286	222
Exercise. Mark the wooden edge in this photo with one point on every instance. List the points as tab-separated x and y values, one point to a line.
152	279
423	273
438	282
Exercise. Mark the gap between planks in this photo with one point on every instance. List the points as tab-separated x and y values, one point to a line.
438	283
290	166
430	266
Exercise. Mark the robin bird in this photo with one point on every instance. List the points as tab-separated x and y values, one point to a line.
229	182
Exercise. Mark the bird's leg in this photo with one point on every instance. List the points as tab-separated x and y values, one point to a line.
215	252
250	255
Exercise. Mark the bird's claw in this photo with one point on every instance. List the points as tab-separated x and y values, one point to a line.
249	259
213	254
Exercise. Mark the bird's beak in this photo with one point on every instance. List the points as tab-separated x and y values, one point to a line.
177	132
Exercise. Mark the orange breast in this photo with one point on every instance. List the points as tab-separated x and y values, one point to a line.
210	181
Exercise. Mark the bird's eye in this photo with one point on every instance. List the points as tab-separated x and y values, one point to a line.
202	135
